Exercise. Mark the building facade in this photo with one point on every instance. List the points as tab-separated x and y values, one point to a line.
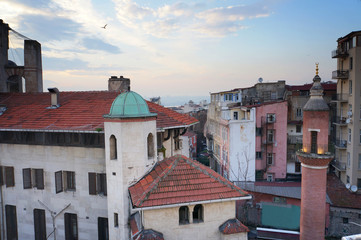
347	162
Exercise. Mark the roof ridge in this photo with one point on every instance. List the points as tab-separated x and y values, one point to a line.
156	182
225	181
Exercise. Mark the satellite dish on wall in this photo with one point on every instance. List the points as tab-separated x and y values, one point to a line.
348	186
354	188
260	80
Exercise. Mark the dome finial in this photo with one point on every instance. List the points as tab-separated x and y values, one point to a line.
317	68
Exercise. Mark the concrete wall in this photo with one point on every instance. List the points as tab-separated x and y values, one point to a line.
166	220
242	149
338	227
51	159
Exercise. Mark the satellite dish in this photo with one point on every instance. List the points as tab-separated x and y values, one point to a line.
260	80
354	188
348	186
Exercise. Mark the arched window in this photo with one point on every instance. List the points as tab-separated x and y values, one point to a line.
150	145
183	215
198	213
113	147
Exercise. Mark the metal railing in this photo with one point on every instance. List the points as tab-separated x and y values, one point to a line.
339	120
340	97
339	53
294	139
339	164
340	74
341	143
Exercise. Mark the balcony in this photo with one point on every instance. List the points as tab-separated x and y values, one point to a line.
340	74
341	144
336	163
294	139
339	53
340	97
341	121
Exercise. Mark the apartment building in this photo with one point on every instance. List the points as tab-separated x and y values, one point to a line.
347	161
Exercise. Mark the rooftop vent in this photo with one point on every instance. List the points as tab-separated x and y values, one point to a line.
2	109
54	95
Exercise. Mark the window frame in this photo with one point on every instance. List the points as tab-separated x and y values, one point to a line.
69	220
183	215
198	213
39	224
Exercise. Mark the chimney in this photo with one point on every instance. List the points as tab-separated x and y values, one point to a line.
54	96
120	84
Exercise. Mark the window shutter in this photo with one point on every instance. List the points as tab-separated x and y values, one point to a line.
92	183
9	177
39	178
27	178
102	183
58	181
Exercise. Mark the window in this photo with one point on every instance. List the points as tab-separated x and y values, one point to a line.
183	215
113	147
280	200
9	176
235	115
271	117
97	183
350	87
297	167
359	187
344	220
359	162
298	128
11	222
348	159
351	63
349	135
313	142
299	112
116	220
270	157
269	177
64	181
39	224
198	213
270	135
71	226
258	131
178	143
103	229
258	155
33	178
150	144
348	179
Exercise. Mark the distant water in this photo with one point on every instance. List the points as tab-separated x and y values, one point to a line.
170	101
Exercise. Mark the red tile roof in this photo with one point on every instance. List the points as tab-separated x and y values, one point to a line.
181	180
307	87
149	234
339	195
232	226
81	111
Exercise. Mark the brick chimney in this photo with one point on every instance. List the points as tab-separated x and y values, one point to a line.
120	84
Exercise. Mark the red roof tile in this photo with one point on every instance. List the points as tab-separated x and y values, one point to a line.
182	181
232	226
81	111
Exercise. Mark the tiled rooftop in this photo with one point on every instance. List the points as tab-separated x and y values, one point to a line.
82	111
340	196
181	180
232	226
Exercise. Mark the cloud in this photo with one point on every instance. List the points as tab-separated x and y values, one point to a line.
97	44
63	64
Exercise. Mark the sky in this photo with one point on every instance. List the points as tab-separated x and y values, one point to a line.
181	49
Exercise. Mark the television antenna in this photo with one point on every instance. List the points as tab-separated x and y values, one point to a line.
354	188
260	80
348	186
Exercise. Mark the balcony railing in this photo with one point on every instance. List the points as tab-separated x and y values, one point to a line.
294	139
340	120
339	53
339	143
340	74
342	97
341	166
317	148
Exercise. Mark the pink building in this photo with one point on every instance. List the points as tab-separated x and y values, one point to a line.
271	140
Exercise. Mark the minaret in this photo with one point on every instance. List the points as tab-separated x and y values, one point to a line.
314	159
130	151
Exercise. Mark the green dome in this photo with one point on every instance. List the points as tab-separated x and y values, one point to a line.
129	105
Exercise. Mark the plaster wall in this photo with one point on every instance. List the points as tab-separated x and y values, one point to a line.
166	220
131	164
242	149
51	159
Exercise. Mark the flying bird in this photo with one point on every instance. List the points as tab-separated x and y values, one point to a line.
104	26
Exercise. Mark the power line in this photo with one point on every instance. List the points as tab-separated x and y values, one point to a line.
19	34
